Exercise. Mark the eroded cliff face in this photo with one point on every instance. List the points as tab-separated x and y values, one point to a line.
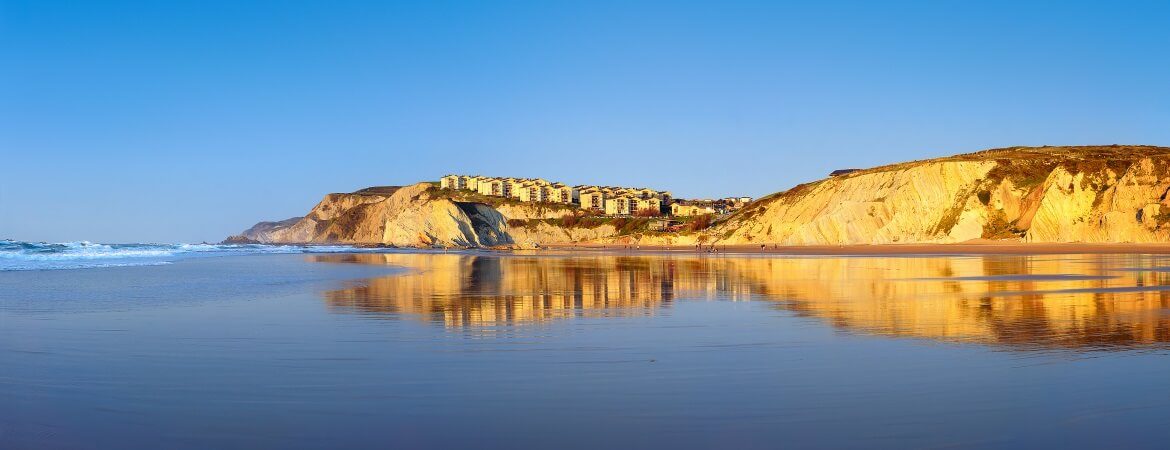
543	233
513	211
411	216
1051	194
1101	194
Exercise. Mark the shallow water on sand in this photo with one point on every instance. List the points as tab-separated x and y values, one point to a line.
586	350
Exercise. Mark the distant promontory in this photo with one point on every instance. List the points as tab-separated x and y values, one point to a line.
1089	194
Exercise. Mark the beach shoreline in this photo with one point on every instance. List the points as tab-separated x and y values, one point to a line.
973	248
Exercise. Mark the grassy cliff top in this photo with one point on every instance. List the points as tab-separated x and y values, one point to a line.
1080	152
378	190
1045	154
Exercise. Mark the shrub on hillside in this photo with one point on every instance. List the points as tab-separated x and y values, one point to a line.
591	222
699	223
570	220
635	225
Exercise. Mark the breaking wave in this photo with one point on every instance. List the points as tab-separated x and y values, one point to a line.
18	255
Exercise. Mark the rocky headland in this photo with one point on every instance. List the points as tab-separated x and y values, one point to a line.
1084	194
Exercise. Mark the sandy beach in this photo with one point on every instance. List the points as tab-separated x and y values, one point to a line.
971	247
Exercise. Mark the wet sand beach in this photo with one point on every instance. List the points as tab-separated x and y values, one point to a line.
589	349
965	248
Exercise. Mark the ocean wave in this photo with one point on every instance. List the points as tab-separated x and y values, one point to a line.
20	255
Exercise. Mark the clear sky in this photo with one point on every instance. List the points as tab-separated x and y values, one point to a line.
186	121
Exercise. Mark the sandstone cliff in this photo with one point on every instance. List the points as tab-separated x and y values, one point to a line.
1098	194
411	216
1046	194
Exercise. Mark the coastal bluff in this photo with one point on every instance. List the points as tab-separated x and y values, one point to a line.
1087	194
409	216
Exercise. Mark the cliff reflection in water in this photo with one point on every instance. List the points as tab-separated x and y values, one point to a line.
1025	302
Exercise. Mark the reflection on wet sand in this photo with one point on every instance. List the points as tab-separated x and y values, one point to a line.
461	290
1022	302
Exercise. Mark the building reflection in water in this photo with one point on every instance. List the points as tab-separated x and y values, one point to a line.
1022	302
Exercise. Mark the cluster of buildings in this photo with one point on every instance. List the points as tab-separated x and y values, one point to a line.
523	189
623	201
610	200
700	207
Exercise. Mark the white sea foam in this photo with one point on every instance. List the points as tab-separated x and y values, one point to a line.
18	255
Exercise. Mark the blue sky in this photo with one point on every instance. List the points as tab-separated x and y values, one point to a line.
189	121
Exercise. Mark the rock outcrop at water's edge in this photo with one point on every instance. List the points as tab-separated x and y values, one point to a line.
1091	194
410	216
261	232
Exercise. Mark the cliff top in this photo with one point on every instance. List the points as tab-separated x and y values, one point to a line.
1052	154
378	190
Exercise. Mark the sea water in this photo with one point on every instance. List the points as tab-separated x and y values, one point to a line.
19	255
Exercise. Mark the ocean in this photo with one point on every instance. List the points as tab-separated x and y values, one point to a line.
19	255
